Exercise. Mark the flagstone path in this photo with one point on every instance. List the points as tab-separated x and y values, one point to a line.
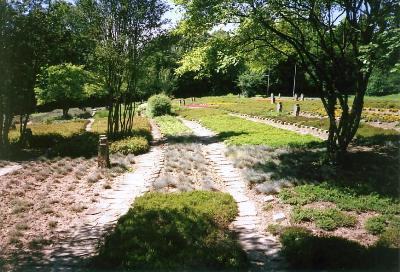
89	125
83	241
263	250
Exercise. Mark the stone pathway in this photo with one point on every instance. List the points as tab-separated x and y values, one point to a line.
301	129
97	221
89	125
9	169
263	250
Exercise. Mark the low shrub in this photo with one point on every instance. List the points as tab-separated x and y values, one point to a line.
376	224
158	105
175	231
326	219
130	145
78	145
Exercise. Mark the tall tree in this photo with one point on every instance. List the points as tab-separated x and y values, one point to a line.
124	28
337	43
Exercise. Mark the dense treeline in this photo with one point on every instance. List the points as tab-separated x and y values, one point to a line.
116	52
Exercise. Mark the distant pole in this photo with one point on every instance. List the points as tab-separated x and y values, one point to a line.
294	79
269	72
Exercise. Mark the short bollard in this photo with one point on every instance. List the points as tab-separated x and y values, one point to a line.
279	107
103	158
272	98
302	97
296	97
296	110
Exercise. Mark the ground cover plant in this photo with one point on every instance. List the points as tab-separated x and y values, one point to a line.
237	131
186	169
43	200
185	165
171	126
56	128
175	230
262	107
355	206
304	250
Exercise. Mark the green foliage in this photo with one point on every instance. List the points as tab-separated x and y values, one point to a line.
387	227
376	224
251	83
130	145
390	237
65	84
237	131
383	83
326	219
78	145
303	250
158	105
175	231
346	199
171	126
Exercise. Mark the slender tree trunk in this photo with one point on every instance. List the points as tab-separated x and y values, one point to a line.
1	124
65	112
22	129
7	124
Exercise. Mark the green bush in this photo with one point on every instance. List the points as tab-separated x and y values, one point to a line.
175	231
251	83
77	145
158	105
326	219
131	145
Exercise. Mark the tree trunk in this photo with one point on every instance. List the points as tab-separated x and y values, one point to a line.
1	124
23	124
342	131
65	113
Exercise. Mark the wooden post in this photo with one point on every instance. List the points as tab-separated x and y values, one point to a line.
296	110
279	107
103	158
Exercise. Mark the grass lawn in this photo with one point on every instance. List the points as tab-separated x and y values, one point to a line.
175	231
236	131
262	107
171	126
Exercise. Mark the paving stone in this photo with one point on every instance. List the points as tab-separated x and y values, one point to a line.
268	198
278	217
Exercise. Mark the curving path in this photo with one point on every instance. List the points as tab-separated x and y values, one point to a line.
263	251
